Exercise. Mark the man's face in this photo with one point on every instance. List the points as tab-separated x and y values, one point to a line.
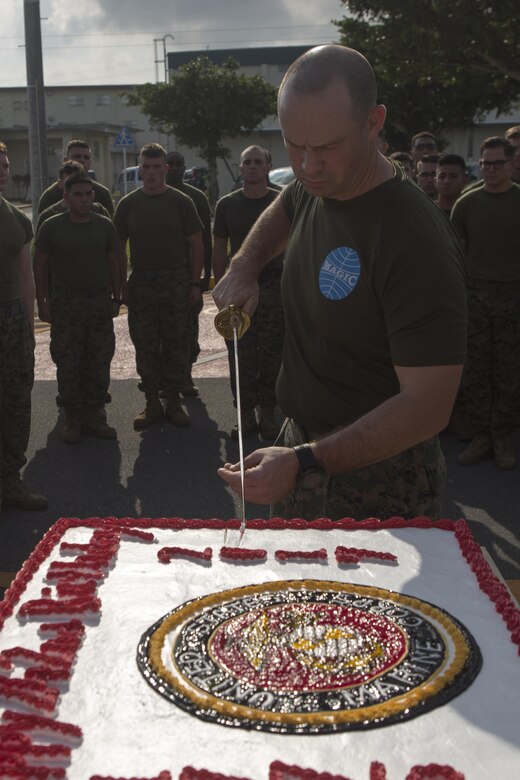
4	171
176	167
81	155
515	167
495	167
329	147
426	177
253	165
79	199
450	180
153	173
423	146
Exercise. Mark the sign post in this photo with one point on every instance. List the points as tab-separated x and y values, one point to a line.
124	141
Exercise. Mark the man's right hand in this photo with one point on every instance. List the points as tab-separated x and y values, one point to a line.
238	287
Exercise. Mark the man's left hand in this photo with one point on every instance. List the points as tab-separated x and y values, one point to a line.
270	474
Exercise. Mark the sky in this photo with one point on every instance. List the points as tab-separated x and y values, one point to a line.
112	41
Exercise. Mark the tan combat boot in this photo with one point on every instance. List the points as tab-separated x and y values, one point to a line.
503	452
71	433
175	413
479	449
95	423
152	413
16	493
268	427
249	424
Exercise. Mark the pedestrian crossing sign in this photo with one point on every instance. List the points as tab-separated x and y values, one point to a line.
124	140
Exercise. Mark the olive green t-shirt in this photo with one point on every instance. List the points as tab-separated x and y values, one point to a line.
60	207
368	284
15	231
157	227
78	251
489	223
53	194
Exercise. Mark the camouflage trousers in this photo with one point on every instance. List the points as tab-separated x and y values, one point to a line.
260	350
16	381
195	310
407	485
82	346
159	325
489	396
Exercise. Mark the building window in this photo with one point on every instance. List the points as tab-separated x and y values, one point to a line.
75	100
103	100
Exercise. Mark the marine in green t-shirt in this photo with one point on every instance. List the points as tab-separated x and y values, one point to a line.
78	251
16	348
375	310
163	230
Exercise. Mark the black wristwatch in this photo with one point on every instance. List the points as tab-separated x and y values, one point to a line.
306	459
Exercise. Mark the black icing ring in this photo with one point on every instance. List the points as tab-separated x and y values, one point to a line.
451	690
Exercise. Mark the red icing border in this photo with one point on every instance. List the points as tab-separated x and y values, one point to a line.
487	580
295	555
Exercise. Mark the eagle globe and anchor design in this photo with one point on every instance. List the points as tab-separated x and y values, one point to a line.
308	657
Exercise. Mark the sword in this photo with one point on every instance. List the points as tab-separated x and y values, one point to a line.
232	323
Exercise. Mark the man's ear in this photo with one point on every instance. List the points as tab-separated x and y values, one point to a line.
376	119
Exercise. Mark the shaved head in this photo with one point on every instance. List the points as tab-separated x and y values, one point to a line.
315	70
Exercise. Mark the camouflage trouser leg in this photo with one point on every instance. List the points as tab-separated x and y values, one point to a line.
490	385
260	350
194	331
16	381
158	321
408	485
82	346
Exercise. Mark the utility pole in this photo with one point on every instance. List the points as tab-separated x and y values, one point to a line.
164	60
35	102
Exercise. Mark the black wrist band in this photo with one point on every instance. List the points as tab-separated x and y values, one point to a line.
306	459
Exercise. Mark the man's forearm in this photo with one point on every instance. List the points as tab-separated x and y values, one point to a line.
400	422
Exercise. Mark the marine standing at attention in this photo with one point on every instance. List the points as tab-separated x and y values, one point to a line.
16	347
375	310
160	222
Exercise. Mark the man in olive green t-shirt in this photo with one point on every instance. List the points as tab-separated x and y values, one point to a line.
77	273
487	221
374	305
160	223
16	348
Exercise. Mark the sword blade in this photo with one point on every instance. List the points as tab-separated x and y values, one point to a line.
235	323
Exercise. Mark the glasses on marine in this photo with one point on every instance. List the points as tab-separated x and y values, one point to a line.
495	164
427	145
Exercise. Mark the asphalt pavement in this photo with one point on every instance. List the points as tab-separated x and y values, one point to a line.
171	472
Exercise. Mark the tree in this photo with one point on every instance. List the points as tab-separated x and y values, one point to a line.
205	104
439	64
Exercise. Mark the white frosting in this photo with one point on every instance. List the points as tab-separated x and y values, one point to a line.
131	731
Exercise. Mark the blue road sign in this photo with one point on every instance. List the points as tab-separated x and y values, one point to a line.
124	140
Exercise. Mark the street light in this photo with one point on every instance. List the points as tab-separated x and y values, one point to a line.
156	41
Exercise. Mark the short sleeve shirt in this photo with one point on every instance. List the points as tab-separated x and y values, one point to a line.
368	284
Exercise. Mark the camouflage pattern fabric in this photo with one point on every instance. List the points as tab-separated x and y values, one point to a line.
490	388
260	350
159	325
16	381
407	485
82	346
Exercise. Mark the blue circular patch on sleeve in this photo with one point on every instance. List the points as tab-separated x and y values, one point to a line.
339	273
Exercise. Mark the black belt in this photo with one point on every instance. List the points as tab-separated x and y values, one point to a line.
82	293
10	309
484	284
157	274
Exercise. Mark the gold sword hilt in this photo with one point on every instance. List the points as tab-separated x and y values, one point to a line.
231	318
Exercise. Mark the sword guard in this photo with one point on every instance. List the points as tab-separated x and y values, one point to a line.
231	318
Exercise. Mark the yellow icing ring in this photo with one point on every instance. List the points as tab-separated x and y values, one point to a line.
372	712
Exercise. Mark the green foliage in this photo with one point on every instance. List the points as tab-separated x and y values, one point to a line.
205	104
439	63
